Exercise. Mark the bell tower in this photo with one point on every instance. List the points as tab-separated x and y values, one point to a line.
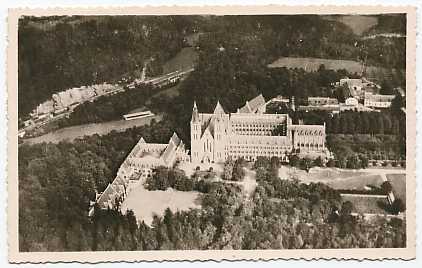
195	134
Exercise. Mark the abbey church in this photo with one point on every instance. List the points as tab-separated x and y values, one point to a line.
250	133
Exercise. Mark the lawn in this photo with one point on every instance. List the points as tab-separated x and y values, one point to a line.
366	204
147	203
398	181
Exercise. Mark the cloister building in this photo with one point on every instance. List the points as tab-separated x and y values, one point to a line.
138	165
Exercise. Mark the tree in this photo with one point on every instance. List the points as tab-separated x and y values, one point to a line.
279	130
294	160
275	162
398	206
228	169
331	163
306	164
238	171
386	88
318	162
262	162
364	162
386	187
353	162
396	104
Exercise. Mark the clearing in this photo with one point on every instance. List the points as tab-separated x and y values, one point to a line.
183	61
145	204
357	23
341	178
312	64
363	204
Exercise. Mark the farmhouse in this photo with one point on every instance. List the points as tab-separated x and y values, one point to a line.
358	87
377	100
320	101
250	133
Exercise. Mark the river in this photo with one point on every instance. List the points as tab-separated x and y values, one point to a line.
71	133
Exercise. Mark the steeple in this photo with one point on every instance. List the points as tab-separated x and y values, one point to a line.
195	115
219	109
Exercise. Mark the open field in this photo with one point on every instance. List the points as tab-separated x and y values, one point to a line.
183	61
398	181
366	204
359	23
312	64
71	133
340	178
147	203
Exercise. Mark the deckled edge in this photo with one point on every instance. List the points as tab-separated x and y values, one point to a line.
14	256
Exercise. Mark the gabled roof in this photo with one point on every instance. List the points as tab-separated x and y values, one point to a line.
209	124
256	102
252	105
171	147
219	109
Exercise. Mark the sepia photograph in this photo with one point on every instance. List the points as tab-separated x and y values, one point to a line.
215	133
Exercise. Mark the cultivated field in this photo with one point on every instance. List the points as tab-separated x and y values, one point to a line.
146	203
71	133
334	177
312	64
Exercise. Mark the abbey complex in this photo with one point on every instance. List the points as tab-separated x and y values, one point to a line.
250	133
215	137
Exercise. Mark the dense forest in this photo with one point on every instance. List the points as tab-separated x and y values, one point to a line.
57	181
89	50
64	52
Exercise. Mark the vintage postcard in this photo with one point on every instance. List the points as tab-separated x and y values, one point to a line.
211	133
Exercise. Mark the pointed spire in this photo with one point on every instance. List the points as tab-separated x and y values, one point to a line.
195	115
219	109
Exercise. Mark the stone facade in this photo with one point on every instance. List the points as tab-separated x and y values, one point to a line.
218	135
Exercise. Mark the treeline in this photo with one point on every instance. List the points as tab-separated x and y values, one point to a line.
79	51
372	147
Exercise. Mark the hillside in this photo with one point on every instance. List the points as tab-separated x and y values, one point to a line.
57	53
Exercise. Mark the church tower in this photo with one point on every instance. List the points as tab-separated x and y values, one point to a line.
220	133
195	134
